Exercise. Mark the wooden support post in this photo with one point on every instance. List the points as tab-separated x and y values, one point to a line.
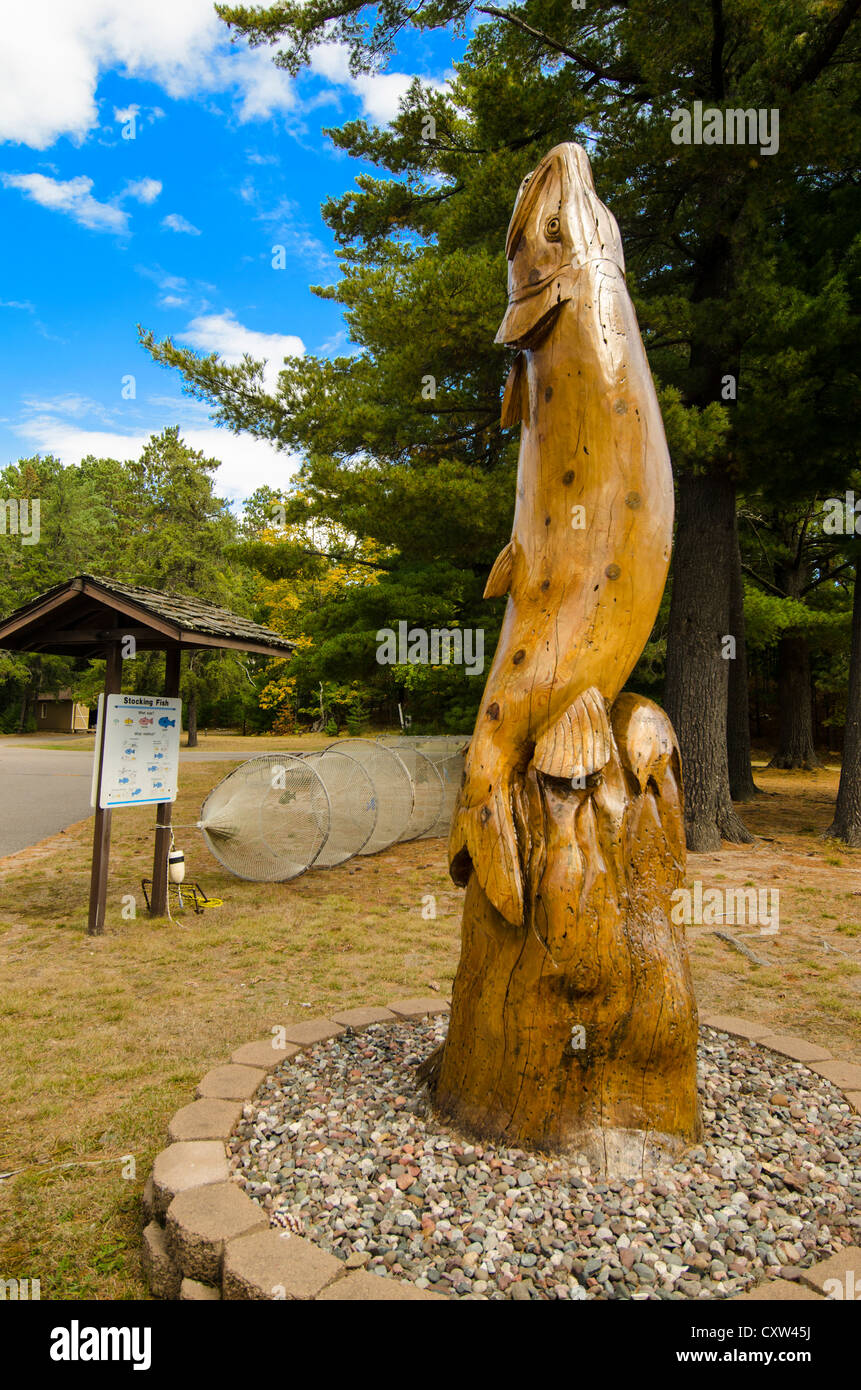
102	827
158	899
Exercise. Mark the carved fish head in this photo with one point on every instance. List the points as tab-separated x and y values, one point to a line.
557	226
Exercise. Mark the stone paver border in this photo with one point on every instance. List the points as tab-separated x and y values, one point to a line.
206	1240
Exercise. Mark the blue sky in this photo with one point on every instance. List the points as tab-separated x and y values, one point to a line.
147	169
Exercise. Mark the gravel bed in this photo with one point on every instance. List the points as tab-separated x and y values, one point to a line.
339	1146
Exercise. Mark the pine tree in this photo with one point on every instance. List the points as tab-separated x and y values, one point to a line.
708	230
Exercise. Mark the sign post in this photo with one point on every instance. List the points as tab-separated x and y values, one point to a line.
158	901
136	764
102	827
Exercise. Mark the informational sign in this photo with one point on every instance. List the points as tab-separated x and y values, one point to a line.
140	761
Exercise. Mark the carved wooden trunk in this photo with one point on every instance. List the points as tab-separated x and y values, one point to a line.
577	1030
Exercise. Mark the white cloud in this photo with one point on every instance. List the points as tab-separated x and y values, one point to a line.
338	345
53	57
52	60
175	290
162	278
149	114
69	404
246	463
71	196
143	190
177	223
264	90
224	334
380	93
27	307
285	226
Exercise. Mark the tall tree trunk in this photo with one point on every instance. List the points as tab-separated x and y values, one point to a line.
795	745
192	721
832	741
741	784
697	674
846	825
31	693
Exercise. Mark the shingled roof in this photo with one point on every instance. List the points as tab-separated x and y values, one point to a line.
86	614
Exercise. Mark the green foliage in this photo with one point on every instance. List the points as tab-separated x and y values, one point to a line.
154	521
768	617
741	263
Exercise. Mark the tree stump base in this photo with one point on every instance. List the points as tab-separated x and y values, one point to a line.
577	1031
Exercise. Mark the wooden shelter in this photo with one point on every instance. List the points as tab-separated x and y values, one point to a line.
91	617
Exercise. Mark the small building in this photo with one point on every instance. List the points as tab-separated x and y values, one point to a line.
61	713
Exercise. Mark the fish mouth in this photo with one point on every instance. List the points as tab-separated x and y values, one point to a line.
530	317
529	291
525	325
561	185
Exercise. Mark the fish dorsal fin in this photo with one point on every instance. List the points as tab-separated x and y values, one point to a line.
499	579
645	738
515	397
580	742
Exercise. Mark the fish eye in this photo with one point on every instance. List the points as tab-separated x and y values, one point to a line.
552	228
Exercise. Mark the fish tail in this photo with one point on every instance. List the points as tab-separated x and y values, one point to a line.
484	837
484	840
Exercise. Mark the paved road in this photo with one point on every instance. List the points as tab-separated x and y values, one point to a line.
40	794
43	791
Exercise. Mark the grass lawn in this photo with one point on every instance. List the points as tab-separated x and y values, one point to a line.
104	1038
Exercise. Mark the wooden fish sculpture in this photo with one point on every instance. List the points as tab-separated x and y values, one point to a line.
587	561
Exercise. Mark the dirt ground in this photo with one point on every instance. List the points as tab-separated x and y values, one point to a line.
811	981
104	1038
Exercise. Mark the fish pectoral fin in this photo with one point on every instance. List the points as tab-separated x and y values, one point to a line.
483	841
645	738
515	397
579	743
499	579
